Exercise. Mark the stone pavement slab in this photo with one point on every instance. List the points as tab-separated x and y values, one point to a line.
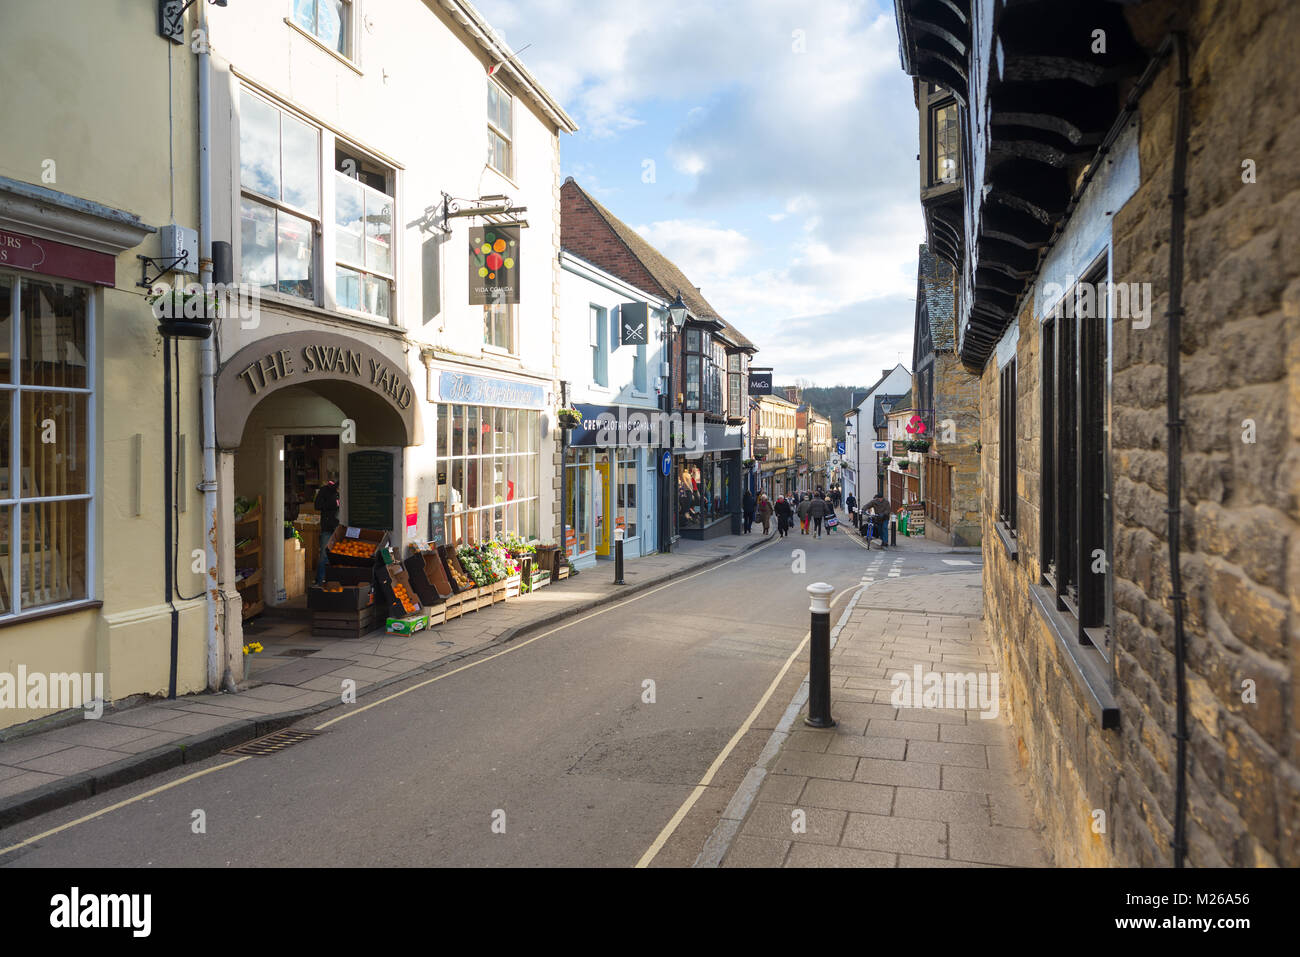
915	786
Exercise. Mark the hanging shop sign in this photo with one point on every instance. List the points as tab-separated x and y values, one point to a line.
633	324
760	383
761	448
493	265
370	489
461	387
900	447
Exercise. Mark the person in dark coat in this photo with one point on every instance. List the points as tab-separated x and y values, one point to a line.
784	516
817	512
879	507
851	504
327	503
830	514
748	505
803	515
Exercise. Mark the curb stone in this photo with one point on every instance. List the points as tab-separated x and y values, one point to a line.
198	747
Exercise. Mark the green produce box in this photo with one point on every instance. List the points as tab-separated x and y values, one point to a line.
409	624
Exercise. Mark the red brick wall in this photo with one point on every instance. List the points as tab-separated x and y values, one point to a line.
585	233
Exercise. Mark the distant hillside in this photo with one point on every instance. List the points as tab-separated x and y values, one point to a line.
830	401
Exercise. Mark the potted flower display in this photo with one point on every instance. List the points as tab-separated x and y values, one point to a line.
568	418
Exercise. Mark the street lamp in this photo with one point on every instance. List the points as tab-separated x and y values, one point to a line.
677	311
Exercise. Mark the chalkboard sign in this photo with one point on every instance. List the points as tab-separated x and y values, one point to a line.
370	490
437	523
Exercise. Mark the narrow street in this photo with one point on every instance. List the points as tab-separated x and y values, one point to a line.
552	731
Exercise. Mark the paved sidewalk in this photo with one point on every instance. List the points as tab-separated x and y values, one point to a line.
891	786
48	764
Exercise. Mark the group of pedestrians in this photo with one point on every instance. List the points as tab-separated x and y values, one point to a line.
815	512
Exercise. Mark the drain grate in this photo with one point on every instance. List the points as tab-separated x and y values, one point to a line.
272	743
297	652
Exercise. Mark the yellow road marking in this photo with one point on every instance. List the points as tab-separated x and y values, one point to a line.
120	804
700	788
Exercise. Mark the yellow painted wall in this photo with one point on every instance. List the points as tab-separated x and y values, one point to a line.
87	84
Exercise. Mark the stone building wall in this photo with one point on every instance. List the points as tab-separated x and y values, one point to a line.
1240	523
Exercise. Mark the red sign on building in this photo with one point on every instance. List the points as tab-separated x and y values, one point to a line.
49	258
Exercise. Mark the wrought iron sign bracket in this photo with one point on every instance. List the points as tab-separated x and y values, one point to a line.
164	265
499	210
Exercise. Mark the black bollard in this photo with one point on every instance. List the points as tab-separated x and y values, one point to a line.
819	658
893	532
618	557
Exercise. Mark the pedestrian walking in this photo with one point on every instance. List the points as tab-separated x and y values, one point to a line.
748	506
784	514
803	515
851	504
817	512
765	513
831	519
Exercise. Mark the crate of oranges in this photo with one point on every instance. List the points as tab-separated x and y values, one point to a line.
355	546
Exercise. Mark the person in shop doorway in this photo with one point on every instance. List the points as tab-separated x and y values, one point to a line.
804	503
748	505
327	503
765	513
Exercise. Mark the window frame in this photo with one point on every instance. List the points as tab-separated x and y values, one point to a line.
325	230
598	338
1008	497
1075	503
935	173
512	321
14	500
349	22
507	136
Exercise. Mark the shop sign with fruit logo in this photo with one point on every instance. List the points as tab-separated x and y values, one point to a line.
493	265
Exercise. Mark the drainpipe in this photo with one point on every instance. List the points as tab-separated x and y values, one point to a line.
1177	223
207	353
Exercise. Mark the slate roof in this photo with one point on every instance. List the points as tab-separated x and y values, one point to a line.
665	272
936	279
879	413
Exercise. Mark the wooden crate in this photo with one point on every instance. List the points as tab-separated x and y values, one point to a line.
344	624
497	591
514	585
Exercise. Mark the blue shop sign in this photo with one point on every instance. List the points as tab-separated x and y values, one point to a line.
461	387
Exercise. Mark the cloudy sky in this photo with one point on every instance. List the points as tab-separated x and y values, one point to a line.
768	147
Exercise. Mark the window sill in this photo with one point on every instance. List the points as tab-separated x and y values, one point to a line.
343	318
67	609
1086	665
496	352
316	40
1008	540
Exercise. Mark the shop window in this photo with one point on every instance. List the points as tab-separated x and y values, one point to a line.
46	411
279	178
1075	518
329	21
363	235
1007	497
499	129
499	326
489	480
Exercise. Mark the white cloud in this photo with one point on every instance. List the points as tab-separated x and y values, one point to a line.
815	149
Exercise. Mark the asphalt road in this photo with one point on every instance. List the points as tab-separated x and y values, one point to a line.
547	755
